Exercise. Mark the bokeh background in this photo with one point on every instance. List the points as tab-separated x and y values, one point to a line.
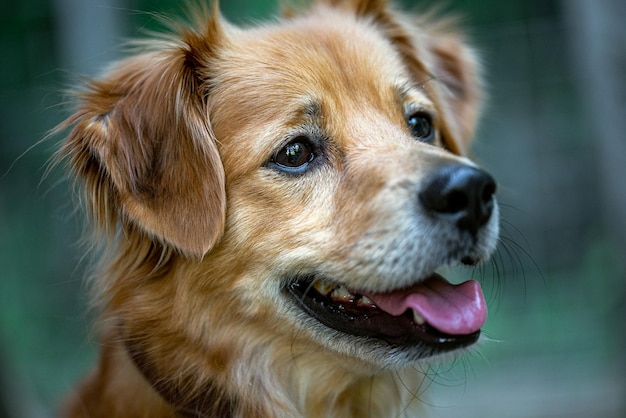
553	134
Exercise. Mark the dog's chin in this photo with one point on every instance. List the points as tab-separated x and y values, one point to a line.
352	321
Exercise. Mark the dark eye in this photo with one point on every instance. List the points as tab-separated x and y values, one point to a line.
421	126
295	156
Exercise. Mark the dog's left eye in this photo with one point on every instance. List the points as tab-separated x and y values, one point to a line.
421	126
295	156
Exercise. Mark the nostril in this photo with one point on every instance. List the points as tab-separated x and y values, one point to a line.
456	201
460	193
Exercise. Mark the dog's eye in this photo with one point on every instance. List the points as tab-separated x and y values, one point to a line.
294	156
421	126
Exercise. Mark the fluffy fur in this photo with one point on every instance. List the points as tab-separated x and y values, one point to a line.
201	230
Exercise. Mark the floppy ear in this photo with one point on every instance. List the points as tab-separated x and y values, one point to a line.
375	8
438	57
457	84
143	147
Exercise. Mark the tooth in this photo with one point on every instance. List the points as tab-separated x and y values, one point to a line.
419	320
365	301
323	287
342	293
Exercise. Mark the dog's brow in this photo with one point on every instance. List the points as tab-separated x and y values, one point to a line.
403	89
414	94
406	87
312	109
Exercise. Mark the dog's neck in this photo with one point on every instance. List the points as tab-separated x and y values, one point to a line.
314	390
207	402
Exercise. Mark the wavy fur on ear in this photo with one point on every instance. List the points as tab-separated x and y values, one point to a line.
360	8
456	72
142	145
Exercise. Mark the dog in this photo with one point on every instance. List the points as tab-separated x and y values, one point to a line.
274	206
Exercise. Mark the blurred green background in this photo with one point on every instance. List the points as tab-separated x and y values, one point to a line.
553	135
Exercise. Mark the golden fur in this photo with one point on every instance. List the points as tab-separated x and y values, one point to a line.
171	147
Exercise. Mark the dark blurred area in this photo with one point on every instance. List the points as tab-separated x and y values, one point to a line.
552	134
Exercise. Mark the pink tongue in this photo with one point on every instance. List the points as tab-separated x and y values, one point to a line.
451	309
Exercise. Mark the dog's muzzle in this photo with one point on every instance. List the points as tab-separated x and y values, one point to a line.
430	312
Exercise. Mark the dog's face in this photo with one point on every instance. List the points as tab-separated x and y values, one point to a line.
306	179
331	146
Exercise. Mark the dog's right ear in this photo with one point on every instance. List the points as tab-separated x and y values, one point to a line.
143	146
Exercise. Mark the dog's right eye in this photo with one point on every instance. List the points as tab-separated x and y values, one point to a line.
295	156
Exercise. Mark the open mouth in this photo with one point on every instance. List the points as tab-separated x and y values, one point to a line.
433	312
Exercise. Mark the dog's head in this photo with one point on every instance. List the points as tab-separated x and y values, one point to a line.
307	180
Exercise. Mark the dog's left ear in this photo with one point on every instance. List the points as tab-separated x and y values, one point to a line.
456	85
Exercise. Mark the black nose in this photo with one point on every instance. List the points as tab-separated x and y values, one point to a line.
461	193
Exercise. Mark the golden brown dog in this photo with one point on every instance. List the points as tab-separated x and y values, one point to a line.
274	203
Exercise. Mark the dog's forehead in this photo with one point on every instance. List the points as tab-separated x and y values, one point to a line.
340	57
337	68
